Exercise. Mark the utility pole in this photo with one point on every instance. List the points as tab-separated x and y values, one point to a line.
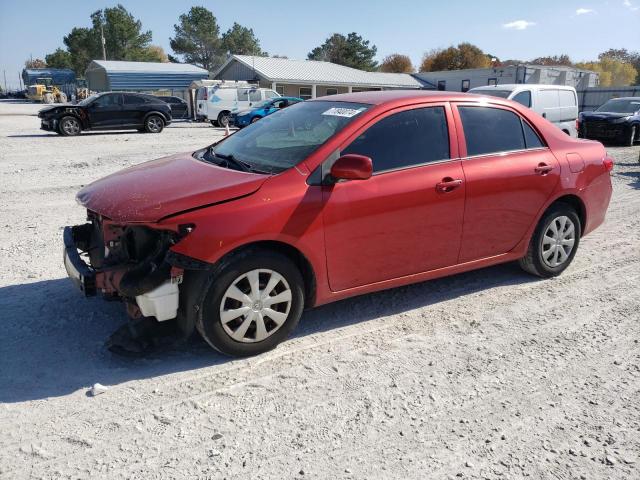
20	81
5	80
104	51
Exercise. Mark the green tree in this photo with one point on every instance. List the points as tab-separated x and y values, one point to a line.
613	73
351	51
83	45
124	40
123	35
197	38
396	63
59	59
465	55
241	40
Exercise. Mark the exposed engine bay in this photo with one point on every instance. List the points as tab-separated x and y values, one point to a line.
128	263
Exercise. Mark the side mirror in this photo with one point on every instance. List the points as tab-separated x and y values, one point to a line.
352	167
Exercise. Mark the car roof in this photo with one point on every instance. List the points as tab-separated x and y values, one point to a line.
389	96
625	98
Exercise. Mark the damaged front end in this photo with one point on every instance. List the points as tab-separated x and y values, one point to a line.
131	263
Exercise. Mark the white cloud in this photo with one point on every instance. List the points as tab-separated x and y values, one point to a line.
630	6
585	11
518	25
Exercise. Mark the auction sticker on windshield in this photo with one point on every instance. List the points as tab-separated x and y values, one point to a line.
343	112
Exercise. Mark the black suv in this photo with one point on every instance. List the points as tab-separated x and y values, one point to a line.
108	111
179	107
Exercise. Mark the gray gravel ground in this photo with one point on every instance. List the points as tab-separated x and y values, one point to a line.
490	374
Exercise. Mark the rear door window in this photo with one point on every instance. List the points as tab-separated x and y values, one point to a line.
531	138
132	99
491	130
109	100
405	139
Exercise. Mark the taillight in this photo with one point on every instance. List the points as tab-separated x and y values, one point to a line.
206	95
577	124
608	163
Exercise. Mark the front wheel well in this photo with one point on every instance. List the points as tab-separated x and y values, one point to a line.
575	202
295	255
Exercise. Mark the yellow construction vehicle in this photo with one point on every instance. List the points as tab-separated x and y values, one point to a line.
44	91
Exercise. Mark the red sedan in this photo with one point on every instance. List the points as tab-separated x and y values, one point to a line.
332	198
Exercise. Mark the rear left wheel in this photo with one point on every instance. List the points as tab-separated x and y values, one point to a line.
554	242
252	304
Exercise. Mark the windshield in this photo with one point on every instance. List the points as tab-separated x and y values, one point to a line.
620	106
493	93
282	140
88	100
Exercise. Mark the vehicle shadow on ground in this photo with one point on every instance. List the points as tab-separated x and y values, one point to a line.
634	176
53	338
83	134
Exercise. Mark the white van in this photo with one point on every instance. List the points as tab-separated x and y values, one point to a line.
556	103
222	101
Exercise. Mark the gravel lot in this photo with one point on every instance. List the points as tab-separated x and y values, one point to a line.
490	374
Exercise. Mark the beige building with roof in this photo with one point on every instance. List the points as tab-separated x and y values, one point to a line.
309	78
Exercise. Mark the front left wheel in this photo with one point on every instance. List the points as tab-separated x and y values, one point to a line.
252	304
69	126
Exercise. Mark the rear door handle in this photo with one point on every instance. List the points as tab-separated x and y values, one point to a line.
543	169
448	184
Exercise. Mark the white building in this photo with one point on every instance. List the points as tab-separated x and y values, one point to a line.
309	78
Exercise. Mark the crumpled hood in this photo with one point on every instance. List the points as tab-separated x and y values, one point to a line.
54	108
153	190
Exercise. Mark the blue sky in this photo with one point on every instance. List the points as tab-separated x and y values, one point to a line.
508	29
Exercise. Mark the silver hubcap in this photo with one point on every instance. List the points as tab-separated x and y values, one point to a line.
255	305
558	241
71	127
154	124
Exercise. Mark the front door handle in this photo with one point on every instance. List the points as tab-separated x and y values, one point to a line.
543	169
447	184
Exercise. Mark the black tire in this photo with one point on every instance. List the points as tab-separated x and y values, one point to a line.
208	321
214	123
255	119
631	137
533	262
154	124
223	119
69	126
